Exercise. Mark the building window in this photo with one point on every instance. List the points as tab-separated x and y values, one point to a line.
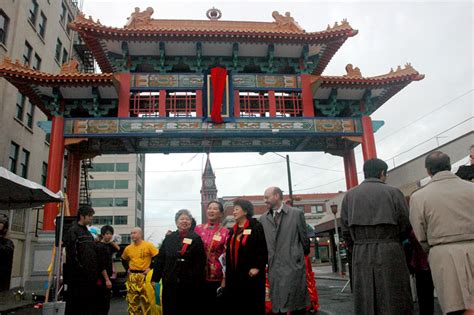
20	106
121	184
121	167
29	115
317	209
65	56
42	25
69	20
33	11
121	202
44	173
18	220
109	202
102	202
13	157
120	220
139	205
103	220
139	222
139	172
140	189
101	184
27	54
25	160
37	62
4	21
102	167
59	47
62	17
125	238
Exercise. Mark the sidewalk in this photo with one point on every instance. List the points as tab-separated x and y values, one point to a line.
325	272
9	303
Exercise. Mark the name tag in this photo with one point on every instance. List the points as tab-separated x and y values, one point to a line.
247	231
187	241
217	238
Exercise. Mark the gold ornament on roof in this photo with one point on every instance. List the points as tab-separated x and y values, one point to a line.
352	72
69	67
344	25
140	19
286	21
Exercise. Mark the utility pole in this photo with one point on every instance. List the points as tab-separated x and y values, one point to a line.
336	239
290	186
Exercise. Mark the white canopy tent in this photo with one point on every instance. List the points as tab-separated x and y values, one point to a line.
19	193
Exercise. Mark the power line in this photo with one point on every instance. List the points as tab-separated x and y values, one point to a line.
322	185
427	114
403	152
216	168
153	199
444	131
316	167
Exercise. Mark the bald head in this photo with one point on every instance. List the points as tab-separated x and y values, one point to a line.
275	191
136	235
437	161
273	197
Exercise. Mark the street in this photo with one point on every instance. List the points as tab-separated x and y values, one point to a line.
331	299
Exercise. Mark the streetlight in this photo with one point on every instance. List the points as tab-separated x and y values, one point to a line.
336	239
288	172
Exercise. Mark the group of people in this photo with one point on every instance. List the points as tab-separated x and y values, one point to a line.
201	268
439	226
211	269
205	268
89	267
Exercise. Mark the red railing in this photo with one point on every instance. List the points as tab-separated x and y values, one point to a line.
189	104
145	104
288	105
252	104
181	104
171	104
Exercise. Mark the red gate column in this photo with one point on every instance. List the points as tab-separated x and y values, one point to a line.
272	103
55	167
73	181
368	141
198	103
307	95
124	94
350	169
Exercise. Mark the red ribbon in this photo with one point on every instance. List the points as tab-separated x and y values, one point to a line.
183	250
235	249
218	79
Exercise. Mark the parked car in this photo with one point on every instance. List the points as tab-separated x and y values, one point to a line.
118	284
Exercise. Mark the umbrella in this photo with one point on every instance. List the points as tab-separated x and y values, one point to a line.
18	193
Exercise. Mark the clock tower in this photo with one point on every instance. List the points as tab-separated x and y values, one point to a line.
208	188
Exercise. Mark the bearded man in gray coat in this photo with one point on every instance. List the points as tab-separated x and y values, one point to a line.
376	216
287	244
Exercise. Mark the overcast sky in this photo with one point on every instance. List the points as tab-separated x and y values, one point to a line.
436	37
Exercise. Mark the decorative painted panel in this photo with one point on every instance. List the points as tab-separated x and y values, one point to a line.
266	81
166	81
142	126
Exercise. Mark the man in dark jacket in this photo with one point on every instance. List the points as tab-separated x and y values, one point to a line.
81	271
376	216
6	254
105	250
